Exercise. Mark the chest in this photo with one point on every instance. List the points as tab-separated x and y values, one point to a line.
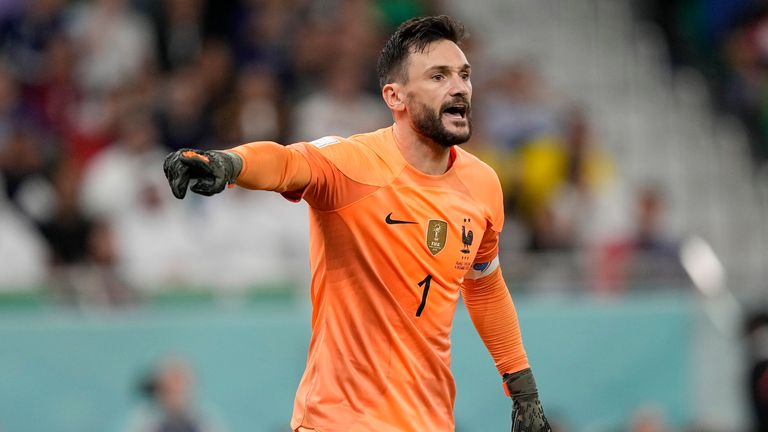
427	229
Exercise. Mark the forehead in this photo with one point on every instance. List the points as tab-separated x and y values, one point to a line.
438	53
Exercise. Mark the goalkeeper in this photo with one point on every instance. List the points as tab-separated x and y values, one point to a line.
402	222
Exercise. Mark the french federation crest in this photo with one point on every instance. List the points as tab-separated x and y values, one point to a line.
437	233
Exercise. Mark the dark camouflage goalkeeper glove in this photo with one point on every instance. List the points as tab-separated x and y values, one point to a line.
527	414
211	171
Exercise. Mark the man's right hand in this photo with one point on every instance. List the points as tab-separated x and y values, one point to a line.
211	171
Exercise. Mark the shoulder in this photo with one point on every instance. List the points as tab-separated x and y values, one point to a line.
344	151
477	175
482	183
362	157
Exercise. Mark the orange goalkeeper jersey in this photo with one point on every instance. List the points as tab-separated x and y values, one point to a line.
389	249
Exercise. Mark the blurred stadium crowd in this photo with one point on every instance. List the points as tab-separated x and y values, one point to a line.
94	94
728	41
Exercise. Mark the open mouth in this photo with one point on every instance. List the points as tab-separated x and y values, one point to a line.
456	111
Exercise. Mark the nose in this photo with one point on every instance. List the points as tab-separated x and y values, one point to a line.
460	87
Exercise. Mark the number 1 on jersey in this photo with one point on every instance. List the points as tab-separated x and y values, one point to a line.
426	282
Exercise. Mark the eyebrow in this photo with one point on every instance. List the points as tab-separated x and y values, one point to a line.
443	68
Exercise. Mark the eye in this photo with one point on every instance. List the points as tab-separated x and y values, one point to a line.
465	76
438	77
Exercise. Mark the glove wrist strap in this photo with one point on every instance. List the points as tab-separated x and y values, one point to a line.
520	384
235	165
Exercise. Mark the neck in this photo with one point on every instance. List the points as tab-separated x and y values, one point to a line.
420	152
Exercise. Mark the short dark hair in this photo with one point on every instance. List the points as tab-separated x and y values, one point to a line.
414	35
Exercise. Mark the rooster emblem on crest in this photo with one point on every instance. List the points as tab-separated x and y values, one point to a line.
466	236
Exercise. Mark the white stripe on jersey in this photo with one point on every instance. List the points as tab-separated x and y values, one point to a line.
481	270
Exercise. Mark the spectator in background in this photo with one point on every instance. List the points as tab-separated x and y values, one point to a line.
727	40
584	206
217	73
266	253
36	81
12	109
650	234
154	244
265	34
56	98
170	403
23	251
103	280
114	179
83	264
314	43
255	112
564	182
26	31
179	33
745	81
183	118
521	109
647	256
66	228
343	107
25	151
357	35
23	165
96	280
92	127
113	41
335	29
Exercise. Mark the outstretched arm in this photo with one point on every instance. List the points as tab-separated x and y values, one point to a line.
258	165
271	166
493	313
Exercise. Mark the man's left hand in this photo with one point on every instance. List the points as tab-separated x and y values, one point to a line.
527	413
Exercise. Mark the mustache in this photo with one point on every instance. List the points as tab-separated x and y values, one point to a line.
456	100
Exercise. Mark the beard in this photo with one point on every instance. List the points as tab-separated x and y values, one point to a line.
429	123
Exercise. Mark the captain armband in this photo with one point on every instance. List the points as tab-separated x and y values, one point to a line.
481	270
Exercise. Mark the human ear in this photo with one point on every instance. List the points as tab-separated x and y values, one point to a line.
392	96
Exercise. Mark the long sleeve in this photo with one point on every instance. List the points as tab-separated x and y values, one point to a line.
271	166
493	313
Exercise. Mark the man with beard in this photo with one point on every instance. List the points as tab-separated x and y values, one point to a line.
402	221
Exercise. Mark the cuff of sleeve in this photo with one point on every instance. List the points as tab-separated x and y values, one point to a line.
520	384
244	169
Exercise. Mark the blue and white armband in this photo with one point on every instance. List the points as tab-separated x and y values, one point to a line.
481	270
